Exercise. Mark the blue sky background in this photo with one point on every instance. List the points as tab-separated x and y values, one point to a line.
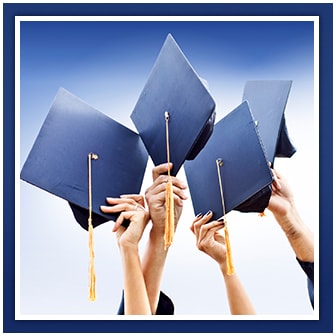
107	64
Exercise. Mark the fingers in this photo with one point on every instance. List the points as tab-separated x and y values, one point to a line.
276	185
177	199
135	216
118	223
207	232
125	206
120	204
161	169
160	185
208	229
199	221
127	210
126	199
163	179
157	192
276	180
135	197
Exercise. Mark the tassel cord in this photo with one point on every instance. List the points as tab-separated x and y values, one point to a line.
92	275
169	224
229	260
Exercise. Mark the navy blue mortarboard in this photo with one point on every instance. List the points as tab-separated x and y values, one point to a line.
267	100
173	86
234	161
58	160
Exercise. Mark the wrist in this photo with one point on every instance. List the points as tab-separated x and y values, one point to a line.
156	231
223	268
156	242
290	222
298	234
281	207
128	247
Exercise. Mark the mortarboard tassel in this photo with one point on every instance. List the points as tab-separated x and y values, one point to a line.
92	275
169	224
229	260
169	227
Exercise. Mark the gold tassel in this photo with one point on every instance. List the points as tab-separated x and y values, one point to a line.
92	275
169	224
229	261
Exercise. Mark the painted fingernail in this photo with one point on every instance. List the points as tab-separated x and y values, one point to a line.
208	213
199	215
221	220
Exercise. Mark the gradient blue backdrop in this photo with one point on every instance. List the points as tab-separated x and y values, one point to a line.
106	64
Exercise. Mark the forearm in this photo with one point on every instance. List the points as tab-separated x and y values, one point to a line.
135	294
298	234
153	266
238	300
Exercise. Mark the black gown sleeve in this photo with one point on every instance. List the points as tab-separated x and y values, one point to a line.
165	305
308	268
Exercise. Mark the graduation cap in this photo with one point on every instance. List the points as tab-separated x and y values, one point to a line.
232	167
174	116
267	100
58	160
173	86
230	170
83	156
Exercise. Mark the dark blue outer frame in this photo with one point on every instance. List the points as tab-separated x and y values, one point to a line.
325	323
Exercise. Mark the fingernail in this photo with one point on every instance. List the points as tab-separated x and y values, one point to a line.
220	220
199	215
208	213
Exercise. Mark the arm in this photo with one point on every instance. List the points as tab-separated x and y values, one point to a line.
283	207
211	242
135	293
155	254
238	299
